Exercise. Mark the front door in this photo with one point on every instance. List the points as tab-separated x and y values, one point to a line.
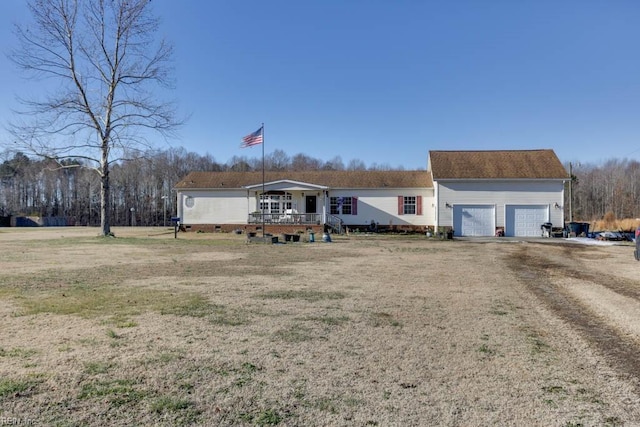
310	206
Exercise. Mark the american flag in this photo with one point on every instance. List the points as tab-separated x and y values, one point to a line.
253	138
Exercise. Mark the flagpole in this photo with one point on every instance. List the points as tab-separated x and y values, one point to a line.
263	195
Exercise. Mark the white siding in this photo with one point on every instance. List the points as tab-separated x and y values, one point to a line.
215	207
499	194
234	206
381	206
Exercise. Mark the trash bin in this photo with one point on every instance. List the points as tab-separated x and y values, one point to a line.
312	236
575	228
585	228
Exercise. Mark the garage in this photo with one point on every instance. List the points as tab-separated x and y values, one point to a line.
474	220
525	220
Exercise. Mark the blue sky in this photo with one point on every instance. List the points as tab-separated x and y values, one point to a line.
386	81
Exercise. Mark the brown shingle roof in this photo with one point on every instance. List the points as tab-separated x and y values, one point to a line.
502	164
331	179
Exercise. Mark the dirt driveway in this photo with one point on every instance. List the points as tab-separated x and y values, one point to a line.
206	329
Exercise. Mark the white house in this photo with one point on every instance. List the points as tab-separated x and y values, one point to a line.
473	193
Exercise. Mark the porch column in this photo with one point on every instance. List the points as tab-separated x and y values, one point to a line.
248	207
325	195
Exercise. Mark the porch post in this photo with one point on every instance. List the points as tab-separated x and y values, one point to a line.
324	206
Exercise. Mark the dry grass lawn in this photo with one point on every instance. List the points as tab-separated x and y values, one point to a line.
145	329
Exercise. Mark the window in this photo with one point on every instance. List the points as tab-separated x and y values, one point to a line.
341	205
275	202
409	205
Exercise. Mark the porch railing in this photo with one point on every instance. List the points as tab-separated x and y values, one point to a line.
335	223
289	218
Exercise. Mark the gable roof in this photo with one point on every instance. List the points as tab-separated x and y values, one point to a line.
331	179
496	164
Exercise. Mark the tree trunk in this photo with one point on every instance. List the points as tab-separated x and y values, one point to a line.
105	208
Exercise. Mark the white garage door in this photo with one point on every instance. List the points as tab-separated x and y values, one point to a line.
525	220
474	220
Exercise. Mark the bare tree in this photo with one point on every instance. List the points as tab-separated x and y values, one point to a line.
334	164
104	60
356	165
302	162
239	164
277	161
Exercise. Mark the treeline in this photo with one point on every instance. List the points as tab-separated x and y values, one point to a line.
611	189
141	189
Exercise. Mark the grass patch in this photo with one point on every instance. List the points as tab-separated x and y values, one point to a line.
179	411
486	350
121	302
117	392
222	316
501	308
554	389
326	404
18	353
193	305
6	291
112	334
613	421
267	417
121	321
306	295
170	404
328	320
378	319
89	342
15	387
163	357
95	368
537	344
170	356
245	374
295	334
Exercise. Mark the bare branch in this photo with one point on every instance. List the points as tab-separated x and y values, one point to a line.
106	60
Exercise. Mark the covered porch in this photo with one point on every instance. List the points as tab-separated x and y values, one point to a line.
288	202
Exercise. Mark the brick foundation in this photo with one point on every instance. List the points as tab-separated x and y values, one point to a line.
276	229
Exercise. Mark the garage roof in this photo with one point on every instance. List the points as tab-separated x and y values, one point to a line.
496	164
